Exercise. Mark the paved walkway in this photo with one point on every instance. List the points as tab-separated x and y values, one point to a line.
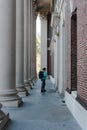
42	112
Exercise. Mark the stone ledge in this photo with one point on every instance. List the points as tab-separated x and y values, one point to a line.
79	113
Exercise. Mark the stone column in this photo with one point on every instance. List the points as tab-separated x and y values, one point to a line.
31	43
20	48
8	93
29	40
26	82
43	42
33	46
29	37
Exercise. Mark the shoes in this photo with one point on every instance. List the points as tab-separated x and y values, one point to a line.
43	91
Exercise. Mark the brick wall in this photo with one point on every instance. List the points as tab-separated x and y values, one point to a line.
71	34
74	51
77	53
68	43
82	52
48	44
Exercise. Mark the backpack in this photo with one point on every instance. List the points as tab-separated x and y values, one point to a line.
41	75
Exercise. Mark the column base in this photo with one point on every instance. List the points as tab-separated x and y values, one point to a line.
23	94
26	82
4	118
16	103
22	91
30	84
27	87
9	98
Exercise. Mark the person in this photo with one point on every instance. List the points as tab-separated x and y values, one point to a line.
43	80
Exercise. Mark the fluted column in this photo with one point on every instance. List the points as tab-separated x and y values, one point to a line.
26	82
43	41
8	93
20	48
29	38
33	43
29	41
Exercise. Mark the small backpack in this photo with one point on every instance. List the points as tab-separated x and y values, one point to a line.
41	75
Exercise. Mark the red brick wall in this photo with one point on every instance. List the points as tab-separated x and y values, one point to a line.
74	51
77	53
71	34
48	44
82	52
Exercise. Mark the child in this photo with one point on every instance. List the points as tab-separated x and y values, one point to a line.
43	80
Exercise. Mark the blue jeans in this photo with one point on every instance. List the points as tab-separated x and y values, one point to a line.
43	85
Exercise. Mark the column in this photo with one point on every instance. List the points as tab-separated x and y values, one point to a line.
29	41
26	82
20	48
29	31
8	93
32	44
43	42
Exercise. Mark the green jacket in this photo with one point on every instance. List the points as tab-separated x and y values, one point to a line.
44	75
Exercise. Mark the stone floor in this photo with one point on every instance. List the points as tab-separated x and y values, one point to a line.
42	112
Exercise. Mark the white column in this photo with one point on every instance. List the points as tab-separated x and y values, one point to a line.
43	42
29	40
26	82
62	60
32	43
35	75
20	48
33	46
8	93
55	61
29	37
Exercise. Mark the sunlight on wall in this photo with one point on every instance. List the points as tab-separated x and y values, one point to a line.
38	42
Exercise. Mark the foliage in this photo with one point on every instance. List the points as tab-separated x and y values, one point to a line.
38	44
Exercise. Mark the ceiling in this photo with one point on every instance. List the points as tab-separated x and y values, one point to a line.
42	6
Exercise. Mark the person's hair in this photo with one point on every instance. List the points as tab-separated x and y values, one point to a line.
44	68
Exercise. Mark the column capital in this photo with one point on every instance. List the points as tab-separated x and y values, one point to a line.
43	15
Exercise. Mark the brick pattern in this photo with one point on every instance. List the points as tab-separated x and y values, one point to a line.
77	53
82	52
71	29
74	51
48	44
